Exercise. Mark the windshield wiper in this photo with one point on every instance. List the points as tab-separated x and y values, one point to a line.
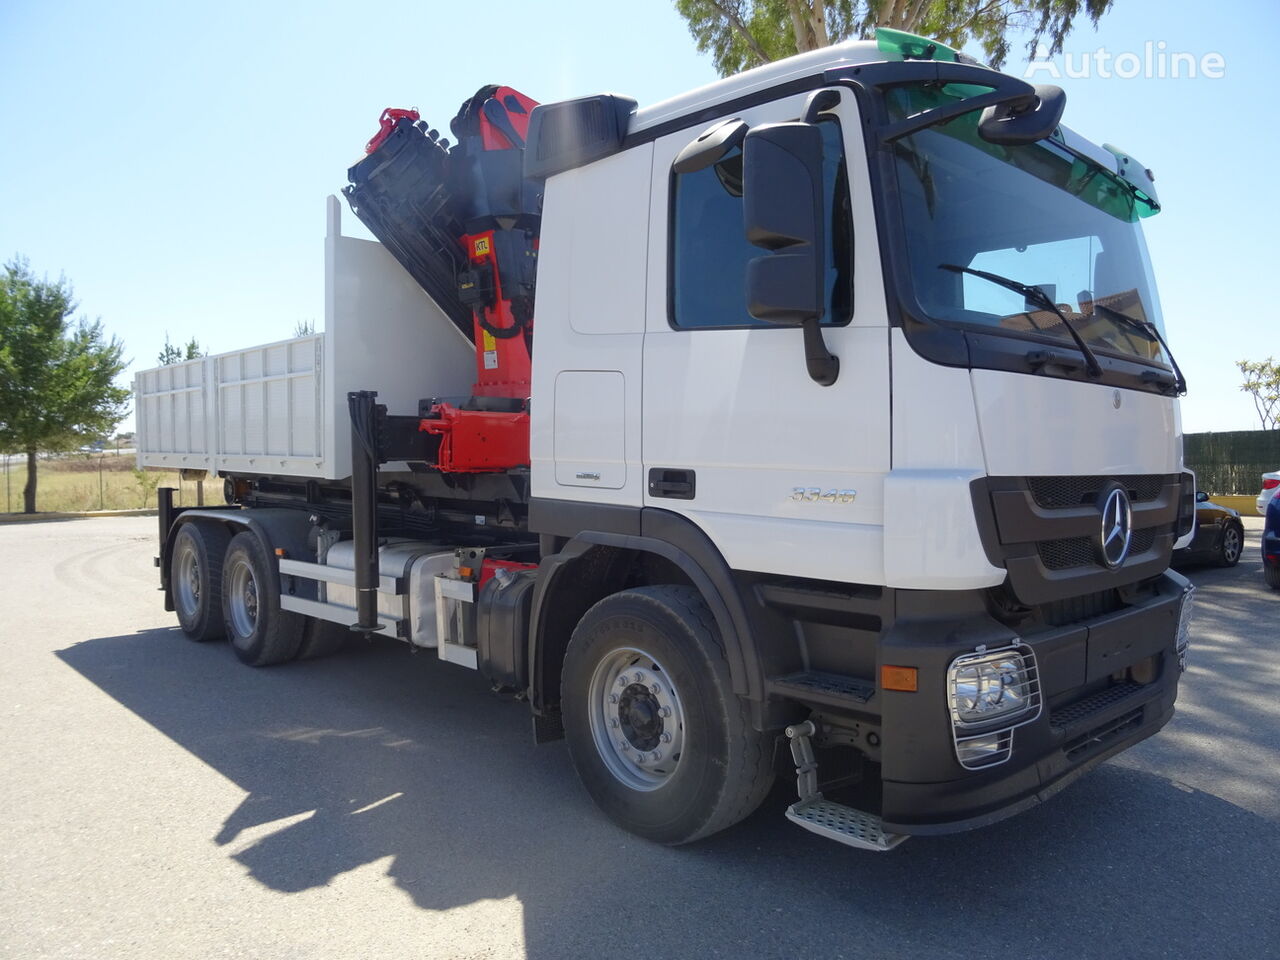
1153	333
1037	296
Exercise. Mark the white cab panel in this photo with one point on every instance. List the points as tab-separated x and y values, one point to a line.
590	332
1038	426
930	535
935	425
737	406
590	439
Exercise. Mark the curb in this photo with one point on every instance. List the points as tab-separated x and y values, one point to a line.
32	517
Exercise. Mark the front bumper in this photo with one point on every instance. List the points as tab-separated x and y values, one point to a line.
1107	683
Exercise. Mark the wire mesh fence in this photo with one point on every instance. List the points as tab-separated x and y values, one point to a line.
1233	462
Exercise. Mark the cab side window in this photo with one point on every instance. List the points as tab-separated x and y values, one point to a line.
709	250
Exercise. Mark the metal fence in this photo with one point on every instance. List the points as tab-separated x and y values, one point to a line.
1233	462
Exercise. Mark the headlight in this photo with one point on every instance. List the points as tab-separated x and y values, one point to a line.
1184	626
989	686
991	692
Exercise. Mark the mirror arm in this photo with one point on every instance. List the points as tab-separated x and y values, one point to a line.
823	366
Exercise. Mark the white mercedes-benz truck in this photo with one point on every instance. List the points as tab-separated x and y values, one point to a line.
849	449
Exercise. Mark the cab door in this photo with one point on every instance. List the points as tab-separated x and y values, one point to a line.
785	475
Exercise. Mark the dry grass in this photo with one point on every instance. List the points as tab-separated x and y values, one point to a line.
96	482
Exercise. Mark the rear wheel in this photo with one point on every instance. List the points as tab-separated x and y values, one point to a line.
1272	574
260	632
195	579
1232	545
321	638
656	733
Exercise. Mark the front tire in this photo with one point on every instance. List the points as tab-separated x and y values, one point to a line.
260	632
195	579
1232	545
655	731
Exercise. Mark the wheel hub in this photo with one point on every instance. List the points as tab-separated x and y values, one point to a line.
641	721
637	720
242	597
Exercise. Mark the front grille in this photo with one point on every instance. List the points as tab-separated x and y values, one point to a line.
1046	532
1083	551
1058	492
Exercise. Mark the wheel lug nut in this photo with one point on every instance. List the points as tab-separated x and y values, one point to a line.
665	711
622	680
656	756
666	738
613	722
639	677
655	689
613	698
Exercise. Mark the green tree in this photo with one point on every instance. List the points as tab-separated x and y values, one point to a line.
1262	382
171	354
57	378
746	33
304	328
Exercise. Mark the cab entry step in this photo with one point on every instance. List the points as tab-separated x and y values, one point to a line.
835	821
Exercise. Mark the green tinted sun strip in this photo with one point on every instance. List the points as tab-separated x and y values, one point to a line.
1048	160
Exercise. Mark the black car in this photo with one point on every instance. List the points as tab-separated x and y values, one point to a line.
1219	535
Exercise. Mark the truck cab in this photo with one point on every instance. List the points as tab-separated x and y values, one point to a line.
853	448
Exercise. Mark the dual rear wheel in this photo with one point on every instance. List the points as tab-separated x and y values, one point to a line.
221	588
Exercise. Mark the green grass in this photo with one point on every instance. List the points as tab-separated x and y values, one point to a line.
77	482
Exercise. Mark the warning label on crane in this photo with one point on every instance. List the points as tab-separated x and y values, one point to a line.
490	350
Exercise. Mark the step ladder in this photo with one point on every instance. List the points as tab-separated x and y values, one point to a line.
835	821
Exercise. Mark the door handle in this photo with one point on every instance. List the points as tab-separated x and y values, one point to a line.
672	483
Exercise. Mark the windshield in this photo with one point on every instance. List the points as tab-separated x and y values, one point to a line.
1036	214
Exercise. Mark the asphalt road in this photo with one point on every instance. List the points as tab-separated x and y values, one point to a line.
161	800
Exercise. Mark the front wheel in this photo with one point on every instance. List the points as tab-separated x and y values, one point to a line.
1232	545
656	733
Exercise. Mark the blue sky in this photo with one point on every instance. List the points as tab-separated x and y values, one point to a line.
172	159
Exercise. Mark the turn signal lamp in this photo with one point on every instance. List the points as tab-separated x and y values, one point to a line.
898	678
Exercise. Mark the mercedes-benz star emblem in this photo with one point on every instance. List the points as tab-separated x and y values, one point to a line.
1117	528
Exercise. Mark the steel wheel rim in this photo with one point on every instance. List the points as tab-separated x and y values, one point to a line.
242	599
187	580
1230	544
637	721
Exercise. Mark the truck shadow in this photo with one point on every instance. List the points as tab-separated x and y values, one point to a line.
375	754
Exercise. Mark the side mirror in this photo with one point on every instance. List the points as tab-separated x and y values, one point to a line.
783	212
710	146
1201	497
1024	120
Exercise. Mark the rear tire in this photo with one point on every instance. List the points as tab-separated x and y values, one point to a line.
656	733
1272	574
1232	545
195	579
321	638
260	632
